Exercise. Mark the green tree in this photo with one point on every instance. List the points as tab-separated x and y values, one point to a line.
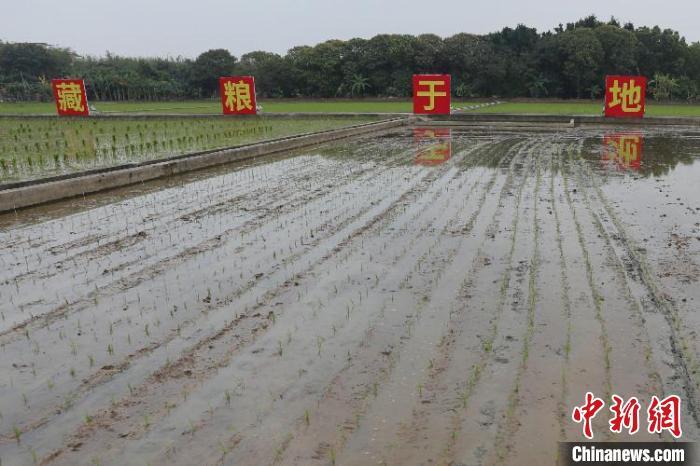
208	68
662	86
270	72
358	85
619	49
569	61
581	55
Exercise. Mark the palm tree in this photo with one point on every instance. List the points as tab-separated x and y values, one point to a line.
358	84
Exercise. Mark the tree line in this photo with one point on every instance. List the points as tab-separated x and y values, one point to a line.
567	62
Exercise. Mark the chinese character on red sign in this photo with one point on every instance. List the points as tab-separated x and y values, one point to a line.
625	96
238	95
587	412
625	149
625	415
431	94
70	97
439	145
665	415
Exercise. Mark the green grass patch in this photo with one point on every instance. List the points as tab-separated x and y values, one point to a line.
585	108
349	106
214	107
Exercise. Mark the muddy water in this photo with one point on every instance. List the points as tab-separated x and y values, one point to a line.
429	296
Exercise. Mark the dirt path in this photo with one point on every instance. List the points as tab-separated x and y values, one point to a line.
355	304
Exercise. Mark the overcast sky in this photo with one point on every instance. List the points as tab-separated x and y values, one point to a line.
187	28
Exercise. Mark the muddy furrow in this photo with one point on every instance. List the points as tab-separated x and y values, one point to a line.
106	264
218	233
536	392
152	212
114	329
338	259
283	281
79	232
355	387
434	398
339	329
670	344
170	204
187	208
485	360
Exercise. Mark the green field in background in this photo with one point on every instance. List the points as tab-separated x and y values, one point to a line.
341	106
208	106
585	108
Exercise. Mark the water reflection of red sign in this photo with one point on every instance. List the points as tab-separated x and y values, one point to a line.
433	145
625	149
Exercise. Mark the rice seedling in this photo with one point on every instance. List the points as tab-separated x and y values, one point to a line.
224	450
319	344
75	144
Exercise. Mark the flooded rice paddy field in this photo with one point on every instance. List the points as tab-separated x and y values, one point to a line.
426	296
42	147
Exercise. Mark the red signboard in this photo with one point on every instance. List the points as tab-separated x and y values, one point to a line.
431	94
433	145
625	96
70	97
624	149
238	95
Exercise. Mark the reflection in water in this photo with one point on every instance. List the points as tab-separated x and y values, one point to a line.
648	153
433	145
623	149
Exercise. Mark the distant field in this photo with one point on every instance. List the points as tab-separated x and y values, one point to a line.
207	106
360	106
585	108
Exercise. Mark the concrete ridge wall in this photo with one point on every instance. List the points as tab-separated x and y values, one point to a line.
26	194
